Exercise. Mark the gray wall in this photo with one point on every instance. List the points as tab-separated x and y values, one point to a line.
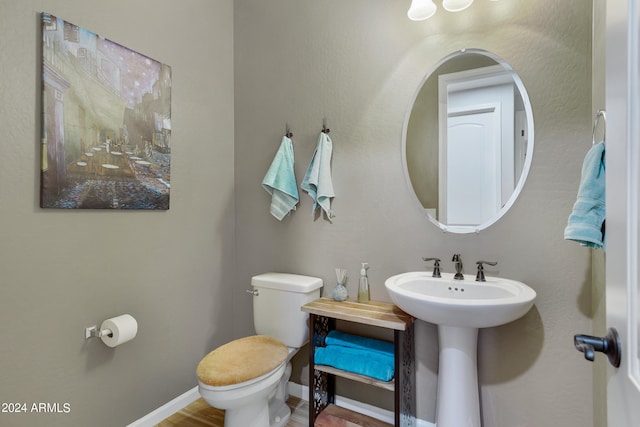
65	270
358	63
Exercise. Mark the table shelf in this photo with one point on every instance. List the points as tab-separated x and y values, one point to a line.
323	314
386	385
335	416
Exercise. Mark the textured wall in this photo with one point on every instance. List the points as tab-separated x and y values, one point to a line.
65	270
358	63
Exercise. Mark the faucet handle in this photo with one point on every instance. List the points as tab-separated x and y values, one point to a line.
480	274
436	266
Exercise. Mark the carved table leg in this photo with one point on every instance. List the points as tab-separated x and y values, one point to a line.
321	384
405	389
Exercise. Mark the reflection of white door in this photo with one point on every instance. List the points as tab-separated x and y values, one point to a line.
476	143
470	193
623	207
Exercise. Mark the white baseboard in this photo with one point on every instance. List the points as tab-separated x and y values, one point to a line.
168	409
296	390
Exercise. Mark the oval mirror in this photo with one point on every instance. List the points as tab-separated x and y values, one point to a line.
467	141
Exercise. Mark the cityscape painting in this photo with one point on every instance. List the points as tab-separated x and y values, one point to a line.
106	123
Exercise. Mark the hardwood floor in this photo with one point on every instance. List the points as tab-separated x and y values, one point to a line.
200	414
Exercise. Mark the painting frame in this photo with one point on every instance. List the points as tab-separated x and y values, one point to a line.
106	123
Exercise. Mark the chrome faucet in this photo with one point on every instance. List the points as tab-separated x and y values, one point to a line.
458	264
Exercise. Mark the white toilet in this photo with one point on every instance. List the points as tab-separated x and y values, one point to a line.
248	377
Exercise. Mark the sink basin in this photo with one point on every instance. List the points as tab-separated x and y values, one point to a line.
465	303
459	308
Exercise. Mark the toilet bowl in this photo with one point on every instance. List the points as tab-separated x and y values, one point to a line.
241	377
248	377
247	403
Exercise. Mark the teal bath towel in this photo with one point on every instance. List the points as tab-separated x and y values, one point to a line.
317	180
586	222
361	343
372	364
280	181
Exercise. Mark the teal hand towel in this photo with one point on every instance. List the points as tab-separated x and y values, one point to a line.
280	181
369	363
586	222
344	339
317	180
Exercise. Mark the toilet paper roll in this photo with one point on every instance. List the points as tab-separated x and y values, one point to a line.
123	328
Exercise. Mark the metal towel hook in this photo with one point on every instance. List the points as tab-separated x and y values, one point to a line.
287	131
600	113
325	129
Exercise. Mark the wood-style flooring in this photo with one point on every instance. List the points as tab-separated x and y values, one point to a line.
200	414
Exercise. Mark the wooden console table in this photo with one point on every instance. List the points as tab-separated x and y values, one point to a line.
323	314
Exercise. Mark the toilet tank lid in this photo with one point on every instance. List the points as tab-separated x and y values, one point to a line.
287	282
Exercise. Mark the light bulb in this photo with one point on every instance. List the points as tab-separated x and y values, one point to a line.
456	5
421	10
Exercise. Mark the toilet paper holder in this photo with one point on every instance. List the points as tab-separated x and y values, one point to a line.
114	331
94	332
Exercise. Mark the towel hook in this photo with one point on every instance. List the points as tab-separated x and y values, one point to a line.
287	131
600	113
325	129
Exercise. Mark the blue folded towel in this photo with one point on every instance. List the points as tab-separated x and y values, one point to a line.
280	181
586	222
317	180
372	364
361	343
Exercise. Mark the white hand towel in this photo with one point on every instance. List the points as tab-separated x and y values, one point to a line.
317	180
280	181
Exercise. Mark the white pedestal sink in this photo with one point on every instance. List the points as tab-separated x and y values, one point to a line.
459	308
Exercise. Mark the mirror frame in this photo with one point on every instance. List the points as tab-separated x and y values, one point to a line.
530	142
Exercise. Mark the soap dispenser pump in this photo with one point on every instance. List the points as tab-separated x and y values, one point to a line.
363	287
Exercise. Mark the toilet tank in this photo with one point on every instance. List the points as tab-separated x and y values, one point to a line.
276	307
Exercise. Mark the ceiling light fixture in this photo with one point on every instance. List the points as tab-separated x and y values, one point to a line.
421	10
425	9
456	5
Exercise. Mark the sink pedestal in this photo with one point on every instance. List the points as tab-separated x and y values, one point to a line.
459	308
458	401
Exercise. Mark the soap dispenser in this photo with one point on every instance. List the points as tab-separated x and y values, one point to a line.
363	287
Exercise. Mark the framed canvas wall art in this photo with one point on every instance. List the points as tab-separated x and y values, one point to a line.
106	123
